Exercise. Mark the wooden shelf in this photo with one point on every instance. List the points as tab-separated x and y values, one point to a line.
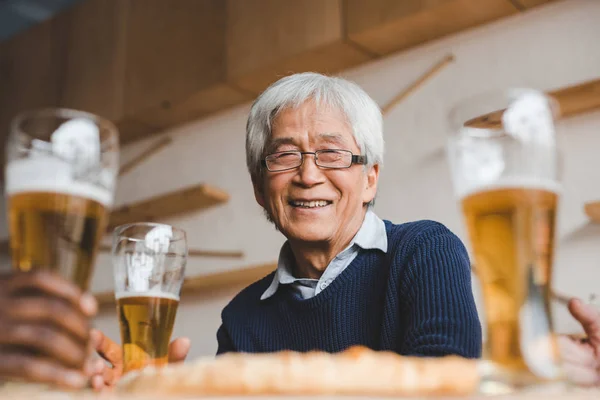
197	252
572	100
592	210
4	249
208	283
179	202
560	298
168	205
387	26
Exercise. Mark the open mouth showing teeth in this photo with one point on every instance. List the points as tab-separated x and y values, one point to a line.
310	204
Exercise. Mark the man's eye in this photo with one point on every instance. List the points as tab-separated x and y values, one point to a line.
331	154
286	155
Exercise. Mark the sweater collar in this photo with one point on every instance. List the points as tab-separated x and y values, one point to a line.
371	235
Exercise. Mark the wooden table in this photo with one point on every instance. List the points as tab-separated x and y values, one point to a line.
34	392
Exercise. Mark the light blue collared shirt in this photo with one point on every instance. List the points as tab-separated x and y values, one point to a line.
371	235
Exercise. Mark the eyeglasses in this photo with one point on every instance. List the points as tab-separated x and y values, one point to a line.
284	160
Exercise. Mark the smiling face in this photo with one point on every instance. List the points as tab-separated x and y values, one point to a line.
309	203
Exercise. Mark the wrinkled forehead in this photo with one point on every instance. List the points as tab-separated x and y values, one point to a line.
317	107
323	121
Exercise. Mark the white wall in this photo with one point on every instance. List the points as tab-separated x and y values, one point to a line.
550	47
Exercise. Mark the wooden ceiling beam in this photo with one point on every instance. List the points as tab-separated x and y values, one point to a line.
149	65
527	4
387	26
292	36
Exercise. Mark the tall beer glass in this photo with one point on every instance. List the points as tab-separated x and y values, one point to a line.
505	168
149	265
60	174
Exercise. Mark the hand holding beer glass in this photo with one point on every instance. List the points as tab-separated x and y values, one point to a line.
61	166
506	175
149	265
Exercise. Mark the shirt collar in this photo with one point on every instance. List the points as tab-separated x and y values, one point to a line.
371	235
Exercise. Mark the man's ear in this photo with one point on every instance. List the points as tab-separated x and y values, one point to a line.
371	184
258	191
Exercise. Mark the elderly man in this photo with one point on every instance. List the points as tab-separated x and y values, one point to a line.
314	149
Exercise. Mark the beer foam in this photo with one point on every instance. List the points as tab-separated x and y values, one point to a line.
77	141
44	173
529	117
150	293
515	183
159	238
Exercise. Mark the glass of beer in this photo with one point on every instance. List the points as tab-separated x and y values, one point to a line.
61	168
149	266
506	173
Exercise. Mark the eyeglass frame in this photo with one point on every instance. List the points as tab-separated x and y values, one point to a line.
355	159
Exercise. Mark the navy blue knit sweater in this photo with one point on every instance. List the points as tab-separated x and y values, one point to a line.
416	299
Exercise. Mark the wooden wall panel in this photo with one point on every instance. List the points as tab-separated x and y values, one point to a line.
267	39
174	48
202	103
95	64
362	15
132	129
386	26
7	88
146	64
175	64
533	3
33	70
32	73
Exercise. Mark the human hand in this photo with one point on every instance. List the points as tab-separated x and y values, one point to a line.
44	329
106	376
581	358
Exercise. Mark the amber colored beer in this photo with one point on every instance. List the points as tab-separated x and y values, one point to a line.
511	231
146	325
56	231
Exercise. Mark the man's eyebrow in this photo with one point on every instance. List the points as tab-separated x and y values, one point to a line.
275	143
329	137
332	137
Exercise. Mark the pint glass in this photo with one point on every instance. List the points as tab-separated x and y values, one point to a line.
61	167
149	264
505	169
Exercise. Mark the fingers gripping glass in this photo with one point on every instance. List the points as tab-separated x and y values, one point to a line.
285	160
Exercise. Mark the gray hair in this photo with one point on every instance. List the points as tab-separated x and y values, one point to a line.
361	112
